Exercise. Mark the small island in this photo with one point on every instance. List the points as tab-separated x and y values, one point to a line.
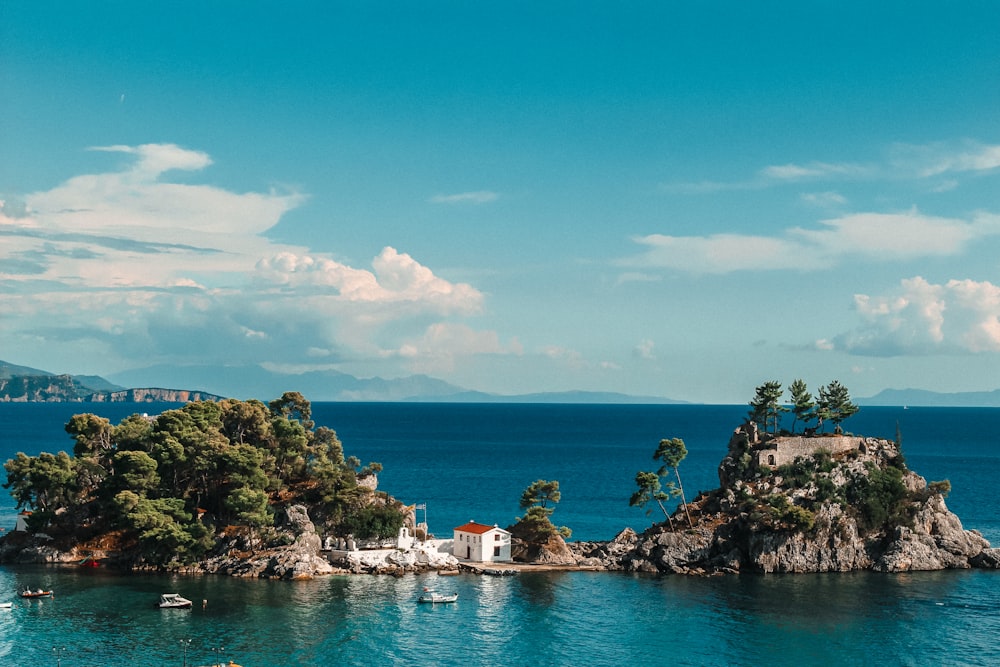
251	489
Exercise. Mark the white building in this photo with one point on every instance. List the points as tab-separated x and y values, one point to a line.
482	543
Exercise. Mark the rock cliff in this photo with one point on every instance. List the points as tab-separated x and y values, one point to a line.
837	503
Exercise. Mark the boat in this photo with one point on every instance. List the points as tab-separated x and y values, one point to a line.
38	593
433	596
6	605
173	601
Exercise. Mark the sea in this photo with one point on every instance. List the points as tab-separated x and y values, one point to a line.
471	462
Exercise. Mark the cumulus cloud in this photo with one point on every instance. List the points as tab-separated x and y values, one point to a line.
129	263
923	318
879	236
443	344
477	197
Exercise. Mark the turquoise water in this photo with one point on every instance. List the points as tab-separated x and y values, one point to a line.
472	462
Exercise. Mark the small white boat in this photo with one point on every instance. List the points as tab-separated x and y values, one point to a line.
433	596
6	605
173	601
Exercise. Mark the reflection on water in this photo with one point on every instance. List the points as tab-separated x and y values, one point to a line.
529	619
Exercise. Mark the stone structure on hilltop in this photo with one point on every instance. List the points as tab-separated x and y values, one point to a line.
805	504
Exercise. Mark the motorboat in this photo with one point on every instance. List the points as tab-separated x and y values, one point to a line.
173	601
37	593
434	597
6	605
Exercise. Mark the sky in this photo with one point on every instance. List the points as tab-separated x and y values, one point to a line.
682	200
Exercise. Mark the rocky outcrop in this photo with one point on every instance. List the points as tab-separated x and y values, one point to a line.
81	389
151	395
857	508
550	551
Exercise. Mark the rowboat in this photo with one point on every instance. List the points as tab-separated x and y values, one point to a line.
173	601
39	593
434	597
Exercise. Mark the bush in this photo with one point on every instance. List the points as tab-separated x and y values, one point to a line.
379	521
879	497
943	487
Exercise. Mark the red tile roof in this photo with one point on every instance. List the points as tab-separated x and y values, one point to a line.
477	528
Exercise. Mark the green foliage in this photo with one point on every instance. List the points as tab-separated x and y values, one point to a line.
834	403
151	478
766	408
541	492
671	451
536	524
649	490
374	521
880	497
943	487
802	402
784	514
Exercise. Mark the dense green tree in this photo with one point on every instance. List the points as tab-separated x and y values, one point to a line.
150	479
293	405
834	404
135	432
136	471
670	452
802	403
374	521
536	522
541	492
246	422
766	407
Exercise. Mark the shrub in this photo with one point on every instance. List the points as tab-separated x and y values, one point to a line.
943	487
879	497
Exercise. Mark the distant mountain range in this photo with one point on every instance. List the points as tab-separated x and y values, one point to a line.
184	383
21	383
924	398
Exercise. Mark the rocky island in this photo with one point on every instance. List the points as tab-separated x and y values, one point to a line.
257	490
818	503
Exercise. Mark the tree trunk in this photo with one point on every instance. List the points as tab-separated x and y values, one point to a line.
683	501
664	509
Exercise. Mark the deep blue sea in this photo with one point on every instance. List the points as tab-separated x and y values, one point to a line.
472	462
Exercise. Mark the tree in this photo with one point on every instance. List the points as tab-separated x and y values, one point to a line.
535	500
651	489
766	405
541	493
671	452
802	403
835	403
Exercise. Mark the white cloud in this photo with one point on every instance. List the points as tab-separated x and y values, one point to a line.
823	199
890	235
477	197
814	170
444	344
129	263
720	253
924	318
645	349
877	236
934	159
901	162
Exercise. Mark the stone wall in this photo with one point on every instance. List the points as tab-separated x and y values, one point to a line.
786	449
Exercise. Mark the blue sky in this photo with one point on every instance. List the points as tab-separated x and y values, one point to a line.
656	198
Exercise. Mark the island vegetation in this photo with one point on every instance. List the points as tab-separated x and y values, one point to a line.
169	490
